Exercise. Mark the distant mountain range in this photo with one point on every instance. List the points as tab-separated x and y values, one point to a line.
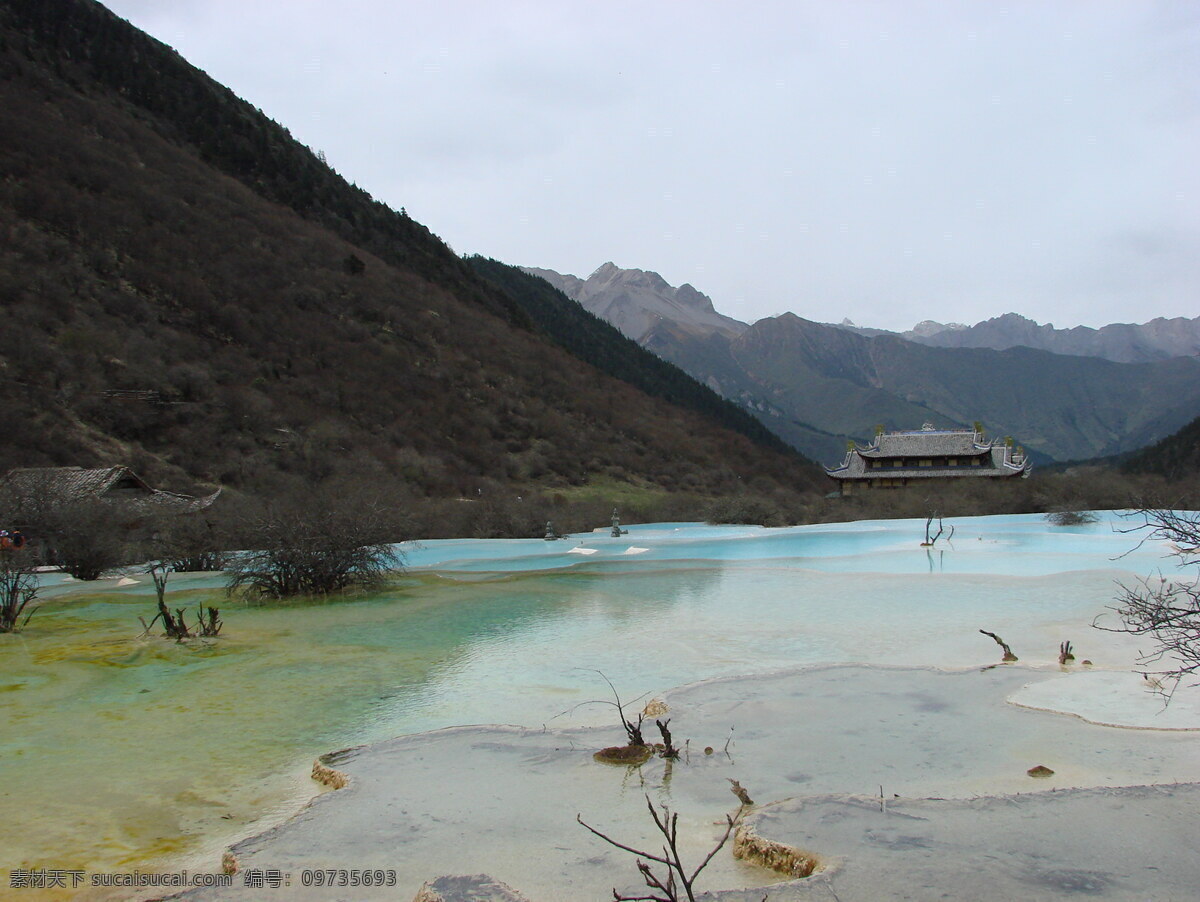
1064	394
1159	339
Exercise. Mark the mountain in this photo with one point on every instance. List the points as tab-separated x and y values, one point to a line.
1158	339
1060	406
818	385
922	330
635	300
188	290
928	328
590	338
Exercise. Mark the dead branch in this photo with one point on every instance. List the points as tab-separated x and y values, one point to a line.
210	625
1009	657
632	730
738	790
1065	655
668	825
1169	613
669	750
929	542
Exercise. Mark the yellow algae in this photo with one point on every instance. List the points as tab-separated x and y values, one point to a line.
334	779
134	751
776	856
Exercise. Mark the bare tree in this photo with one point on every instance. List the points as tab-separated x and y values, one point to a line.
677	878
1166	610
88	537
198	541
18	588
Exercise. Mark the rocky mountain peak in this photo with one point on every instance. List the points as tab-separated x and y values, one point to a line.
638	300
932	327
609	274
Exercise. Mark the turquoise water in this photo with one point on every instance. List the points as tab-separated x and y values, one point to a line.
1013	545
120	750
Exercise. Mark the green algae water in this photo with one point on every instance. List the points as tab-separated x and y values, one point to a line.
123	751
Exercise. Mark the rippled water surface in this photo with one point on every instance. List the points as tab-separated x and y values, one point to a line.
119	750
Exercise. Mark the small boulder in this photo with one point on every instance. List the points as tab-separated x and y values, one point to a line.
475	888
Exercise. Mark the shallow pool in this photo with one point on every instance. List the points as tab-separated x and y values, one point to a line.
120	750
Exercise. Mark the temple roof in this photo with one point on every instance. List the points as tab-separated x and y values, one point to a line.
910	447
925	443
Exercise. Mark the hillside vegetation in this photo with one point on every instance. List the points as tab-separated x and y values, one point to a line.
1176	457
188	290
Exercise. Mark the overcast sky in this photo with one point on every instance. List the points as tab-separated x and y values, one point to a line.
882	161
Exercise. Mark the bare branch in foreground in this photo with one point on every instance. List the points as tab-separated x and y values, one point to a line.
667	824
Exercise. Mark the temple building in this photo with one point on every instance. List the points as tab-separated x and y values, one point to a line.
896	459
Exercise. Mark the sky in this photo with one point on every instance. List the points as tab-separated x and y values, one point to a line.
885	162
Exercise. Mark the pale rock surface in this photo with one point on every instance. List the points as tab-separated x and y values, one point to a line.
822	750
635	301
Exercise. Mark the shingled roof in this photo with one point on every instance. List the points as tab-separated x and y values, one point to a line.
118	484
939	443
996	459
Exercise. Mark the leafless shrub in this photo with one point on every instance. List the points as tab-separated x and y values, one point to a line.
1166	610
87	537
1071	518
318	546
208	620
18	588
199	541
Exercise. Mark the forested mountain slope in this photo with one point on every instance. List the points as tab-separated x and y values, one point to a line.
1175	457
187	290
